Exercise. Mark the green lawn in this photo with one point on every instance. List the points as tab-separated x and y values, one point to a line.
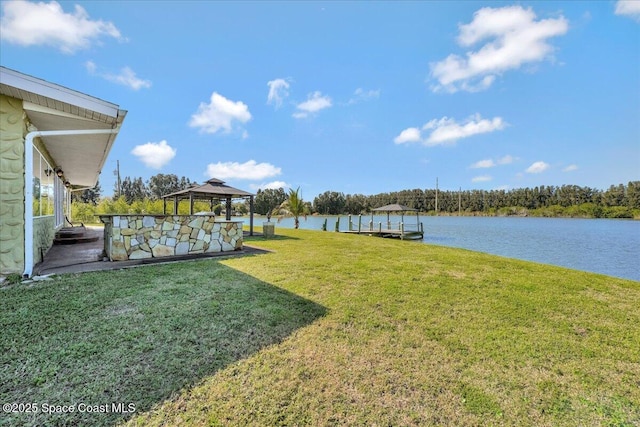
330	329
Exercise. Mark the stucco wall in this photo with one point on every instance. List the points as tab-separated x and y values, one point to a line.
43	235
12	131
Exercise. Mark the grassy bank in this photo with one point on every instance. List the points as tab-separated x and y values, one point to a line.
332	329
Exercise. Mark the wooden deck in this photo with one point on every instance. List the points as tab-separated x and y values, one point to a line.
403	235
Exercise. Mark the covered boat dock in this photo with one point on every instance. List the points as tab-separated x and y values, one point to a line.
402	230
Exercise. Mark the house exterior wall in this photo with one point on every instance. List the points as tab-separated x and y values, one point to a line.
12	133
43	235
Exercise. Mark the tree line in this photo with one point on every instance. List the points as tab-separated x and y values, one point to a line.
618	201
135	189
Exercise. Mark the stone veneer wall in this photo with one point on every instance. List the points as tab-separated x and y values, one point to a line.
43	236
153	236
12	132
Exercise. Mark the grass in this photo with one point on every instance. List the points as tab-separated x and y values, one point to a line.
133	336
352	330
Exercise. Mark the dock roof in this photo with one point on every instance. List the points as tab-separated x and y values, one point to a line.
394	208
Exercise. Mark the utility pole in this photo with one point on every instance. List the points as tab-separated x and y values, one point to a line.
460	201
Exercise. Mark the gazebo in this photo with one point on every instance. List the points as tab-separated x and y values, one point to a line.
212	189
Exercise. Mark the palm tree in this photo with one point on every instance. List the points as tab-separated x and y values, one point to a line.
294	207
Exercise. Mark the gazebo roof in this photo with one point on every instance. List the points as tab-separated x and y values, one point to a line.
394	208
212	188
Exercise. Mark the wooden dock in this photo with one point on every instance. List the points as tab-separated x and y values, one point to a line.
390	230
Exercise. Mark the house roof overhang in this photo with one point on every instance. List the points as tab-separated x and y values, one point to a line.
51	107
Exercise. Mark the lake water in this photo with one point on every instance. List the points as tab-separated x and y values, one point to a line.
605	246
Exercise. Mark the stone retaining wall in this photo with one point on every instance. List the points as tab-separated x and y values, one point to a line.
154	236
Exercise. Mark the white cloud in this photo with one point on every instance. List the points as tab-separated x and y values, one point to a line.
314	103
46	24
482	178
249	170
273	185
538	167
91	67
512	38
219	114
488	163
408	135
154	154
629	8
361	95
506	160
278	90
570	168
448	131
126	77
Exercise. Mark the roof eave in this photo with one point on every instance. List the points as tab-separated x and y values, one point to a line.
42	88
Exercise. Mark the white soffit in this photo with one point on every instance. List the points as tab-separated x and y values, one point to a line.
54	107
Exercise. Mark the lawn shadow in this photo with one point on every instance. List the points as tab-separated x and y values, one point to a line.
260	238
134	337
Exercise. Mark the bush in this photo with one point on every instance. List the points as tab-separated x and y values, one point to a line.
585	210
617	212
83	212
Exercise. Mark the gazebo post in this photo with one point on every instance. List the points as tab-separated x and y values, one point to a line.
164	206
175	205
250	215
190	203
228	208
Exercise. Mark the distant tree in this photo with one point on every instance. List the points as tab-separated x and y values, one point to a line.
90	195
134	189
633	194
330	203
356	204
615	196
268	199
240	207
185	183
161	185
294	207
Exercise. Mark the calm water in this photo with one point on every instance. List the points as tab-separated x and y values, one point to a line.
606	246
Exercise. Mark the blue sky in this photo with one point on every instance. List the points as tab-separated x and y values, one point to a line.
355	97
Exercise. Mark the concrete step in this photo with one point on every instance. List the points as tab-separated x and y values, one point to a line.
74	240
73	235
71	231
